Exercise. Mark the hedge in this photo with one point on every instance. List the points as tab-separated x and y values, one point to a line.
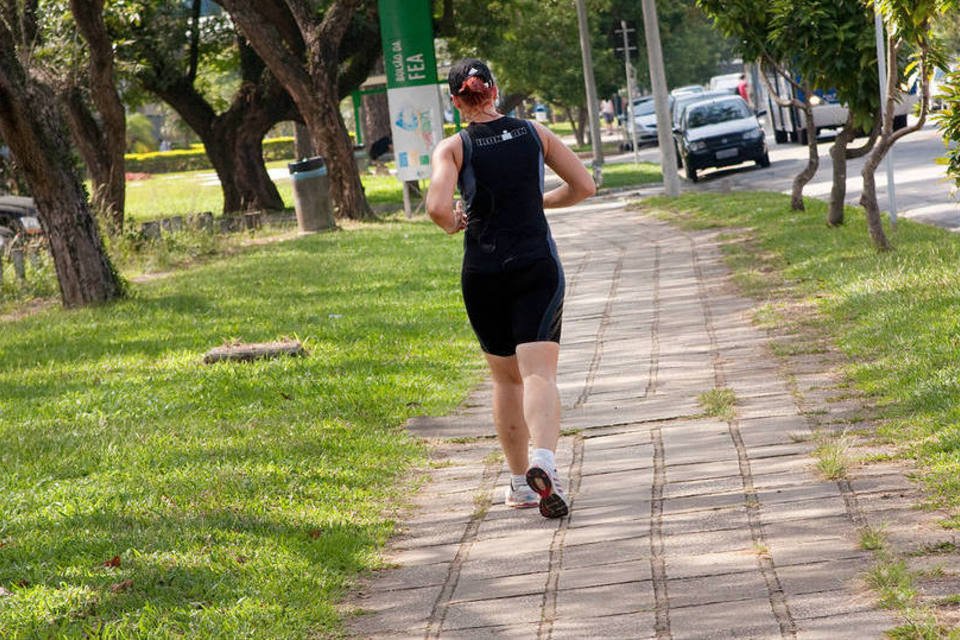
195	157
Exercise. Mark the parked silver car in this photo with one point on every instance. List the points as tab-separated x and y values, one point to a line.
18	215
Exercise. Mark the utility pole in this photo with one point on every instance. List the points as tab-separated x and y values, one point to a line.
592	101
668	158
882	73
628	118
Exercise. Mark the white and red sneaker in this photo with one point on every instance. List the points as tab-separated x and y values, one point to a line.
553	501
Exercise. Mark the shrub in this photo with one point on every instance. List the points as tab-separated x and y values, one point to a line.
195	158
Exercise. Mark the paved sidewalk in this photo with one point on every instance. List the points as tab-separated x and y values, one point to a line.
682	526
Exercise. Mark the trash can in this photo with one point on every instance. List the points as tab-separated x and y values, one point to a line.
311	194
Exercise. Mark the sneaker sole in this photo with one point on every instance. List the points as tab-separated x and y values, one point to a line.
551	505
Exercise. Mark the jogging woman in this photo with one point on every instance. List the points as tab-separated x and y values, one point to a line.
511	277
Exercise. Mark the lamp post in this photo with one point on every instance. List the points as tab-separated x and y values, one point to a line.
658	79
628	118
882	73
591	85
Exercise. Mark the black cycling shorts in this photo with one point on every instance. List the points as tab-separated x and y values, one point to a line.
514	307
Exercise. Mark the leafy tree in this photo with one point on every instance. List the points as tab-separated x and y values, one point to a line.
533	47
751	24
909	24
205	70
949	121
692	47
837	38
35	130
73	52
318	52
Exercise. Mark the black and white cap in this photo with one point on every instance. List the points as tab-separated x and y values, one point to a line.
465	69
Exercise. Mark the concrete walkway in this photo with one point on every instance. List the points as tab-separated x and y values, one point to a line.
682	526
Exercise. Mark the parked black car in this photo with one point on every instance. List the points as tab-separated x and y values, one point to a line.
678	106
721	132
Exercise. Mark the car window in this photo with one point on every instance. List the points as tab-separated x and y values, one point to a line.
716	112
644	108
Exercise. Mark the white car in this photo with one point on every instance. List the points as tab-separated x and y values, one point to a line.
18	215
644	119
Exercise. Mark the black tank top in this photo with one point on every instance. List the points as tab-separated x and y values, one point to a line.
501	181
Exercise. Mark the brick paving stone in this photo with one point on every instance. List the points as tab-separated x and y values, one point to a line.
493	612
726	587
507	632
726	484
711	564
637	511
606	600
747	620
704	502
800	551
396	611
869	625
630	626
407	577
617	571
816	577
506	564
717	520
822	604
630	530
701	542
526	584
604	553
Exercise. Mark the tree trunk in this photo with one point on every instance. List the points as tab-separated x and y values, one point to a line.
868	197
34	129
257	190
577	131
838	153
107	167
329	133
312	83
583	130
512	101
302	144
813	161
376	113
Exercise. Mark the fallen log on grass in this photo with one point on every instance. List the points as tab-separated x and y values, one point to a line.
246	352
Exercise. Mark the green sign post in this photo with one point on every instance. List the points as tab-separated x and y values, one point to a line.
416	116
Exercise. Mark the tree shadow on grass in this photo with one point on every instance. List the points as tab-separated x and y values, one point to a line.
172	567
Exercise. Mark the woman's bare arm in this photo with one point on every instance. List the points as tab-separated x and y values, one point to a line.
443	183
577	182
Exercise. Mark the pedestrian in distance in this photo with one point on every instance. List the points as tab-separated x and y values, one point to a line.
606	108
743	89
511	276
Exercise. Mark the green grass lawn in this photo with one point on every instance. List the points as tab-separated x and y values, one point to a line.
147	495
896	315
628	174
178	194
172	194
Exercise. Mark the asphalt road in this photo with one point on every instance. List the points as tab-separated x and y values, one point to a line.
923	191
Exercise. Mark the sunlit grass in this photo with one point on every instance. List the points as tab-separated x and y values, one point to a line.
180	194
237	499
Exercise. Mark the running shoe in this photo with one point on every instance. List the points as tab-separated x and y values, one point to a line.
553	501
520	497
